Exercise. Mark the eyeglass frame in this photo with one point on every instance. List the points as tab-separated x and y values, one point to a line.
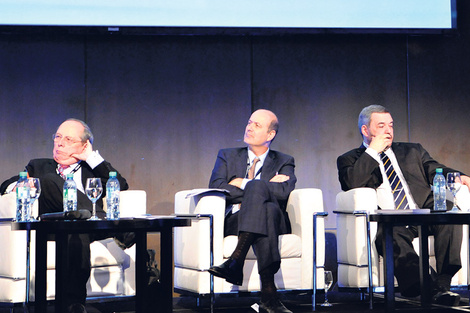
67	139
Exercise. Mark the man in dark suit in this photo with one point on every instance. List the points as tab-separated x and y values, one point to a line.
368	166
73	153
259	181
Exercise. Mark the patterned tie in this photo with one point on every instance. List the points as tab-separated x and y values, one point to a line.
61	170
399	196
251	171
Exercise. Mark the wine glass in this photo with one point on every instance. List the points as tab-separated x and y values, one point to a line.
34	193
328	283
93	190
453	184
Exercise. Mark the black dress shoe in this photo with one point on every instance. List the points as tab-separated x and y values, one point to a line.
230	270
76	308
447	298
124	240
273	306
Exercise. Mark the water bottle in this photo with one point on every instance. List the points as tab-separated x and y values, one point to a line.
112	197
439	189
23	211
70	194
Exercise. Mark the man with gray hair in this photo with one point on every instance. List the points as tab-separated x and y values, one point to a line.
72	154
372	165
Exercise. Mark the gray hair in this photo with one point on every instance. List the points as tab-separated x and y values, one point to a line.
366	113
87	134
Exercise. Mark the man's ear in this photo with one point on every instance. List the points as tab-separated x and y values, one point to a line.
271	135
85	145
364	131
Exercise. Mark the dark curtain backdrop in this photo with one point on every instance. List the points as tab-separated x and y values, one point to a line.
160	107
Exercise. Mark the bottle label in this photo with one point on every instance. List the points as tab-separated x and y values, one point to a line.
22	192
70	199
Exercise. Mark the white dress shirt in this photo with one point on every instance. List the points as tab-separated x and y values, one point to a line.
384	191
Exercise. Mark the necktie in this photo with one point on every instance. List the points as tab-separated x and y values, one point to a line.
251	171
61	170
399	196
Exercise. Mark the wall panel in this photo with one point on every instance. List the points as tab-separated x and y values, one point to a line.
164	106
41	84
440	98
318	86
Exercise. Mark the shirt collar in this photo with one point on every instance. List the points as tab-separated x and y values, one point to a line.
252	156
72	168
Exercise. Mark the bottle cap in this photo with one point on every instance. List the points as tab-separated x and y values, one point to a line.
112	174
70	176
23	174
438	170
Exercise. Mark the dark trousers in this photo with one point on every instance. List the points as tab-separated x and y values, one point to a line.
260	214
79	266
447	244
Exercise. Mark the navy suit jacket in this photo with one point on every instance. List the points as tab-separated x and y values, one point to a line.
359	169
233	163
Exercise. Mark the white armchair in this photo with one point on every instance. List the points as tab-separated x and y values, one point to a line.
112	271
352	242
193	253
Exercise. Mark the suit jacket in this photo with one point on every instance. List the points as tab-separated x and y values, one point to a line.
50	199
232	163
359	169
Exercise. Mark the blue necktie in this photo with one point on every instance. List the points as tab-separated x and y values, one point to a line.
399	195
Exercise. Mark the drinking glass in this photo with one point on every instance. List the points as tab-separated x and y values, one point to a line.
34	193
453	184
328	283
93	190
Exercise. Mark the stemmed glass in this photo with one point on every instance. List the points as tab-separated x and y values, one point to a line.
328	283
453	184
93	190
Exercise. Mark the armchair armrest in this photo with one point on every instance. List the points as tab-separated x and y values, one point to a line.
133	203
357	199
197	237
301	207
8	206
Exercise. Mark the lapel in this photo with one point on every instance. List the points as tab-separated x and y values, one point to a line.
399	154
86	173
268	166
241	163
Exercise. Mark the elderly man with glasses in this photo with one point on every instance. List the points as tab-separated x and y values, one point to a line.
73	153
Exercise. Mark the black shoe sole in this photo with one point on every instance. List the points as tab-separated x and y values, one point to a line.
448	300
214	271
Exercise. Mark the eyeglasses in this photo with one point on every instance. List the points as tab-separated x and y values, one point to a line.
68	140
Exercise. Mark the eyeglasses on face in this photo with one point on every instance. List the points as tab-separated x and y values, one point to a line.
67	139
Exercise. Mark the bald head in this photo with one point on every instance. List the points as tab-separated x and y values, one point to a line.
261	129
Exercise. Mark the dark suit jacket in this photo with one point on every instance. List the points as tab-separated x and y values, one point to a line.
50	199
359	169
232	163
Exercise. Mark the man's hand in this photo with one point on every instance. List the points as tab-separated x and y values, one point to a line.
87	150
279	178
465	181
381	142
237	182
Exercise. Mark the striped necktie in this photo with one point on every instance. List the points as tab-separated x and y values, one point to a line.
61	170
399	195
